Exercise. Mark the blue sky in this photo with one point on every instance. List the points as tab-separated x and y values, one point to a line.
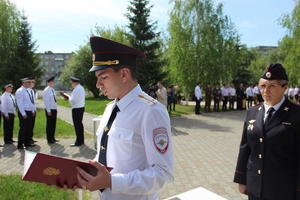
64	25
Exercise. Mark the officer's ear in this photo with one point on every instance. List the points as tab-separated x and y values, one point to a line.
125	73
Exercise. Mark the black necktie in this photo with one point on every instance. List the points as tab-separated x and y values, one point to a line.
30	97
13	100
270	114
53	95
104	138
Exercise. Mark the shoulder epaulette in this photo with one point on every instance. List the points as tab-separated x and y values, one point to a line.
147	99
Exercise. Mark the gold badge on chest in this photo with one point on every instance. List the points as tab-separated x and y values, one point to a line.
251	126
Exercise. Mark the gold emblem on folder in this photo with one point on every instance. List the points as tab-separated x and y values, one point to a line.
50	171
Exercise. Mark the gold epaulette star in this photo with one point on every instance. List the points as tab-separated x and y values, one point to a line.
252	121
102	148
286	108
148	100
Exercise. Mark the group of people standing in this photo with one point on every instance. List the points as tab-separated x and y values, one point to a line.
23	104
232	97
167	97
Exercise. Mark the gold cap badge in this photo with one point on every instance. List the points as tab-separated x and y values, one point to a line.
268	74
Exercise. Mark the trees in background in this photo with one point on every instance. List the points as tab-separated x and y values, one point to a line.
142	35
203	45
289	46
17	50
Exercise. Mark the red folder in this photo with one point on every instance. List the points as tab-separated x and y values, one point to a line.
54	170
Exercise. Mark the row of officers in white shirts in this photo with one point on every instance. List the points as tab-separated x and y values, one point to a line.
24	104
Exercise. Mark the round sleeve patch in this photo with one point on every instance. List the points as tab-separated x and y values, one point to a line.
161	139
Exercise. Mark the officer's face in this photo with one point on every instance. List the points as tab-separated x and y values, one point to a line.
9	89
110	82
272	92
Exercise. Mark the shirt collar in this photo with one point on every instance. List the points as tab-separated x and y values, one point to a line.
276	107
129	97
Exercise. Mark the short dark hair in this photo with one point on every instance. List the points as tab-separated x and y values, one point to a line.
132	70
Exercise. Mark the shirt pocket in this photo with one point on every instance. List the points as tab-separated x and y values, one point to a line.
121	143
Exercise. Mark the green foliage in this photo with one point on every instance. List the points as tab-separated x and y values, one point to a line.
17	51
203	44
12	187
9	29
94	106
63	129
27	61
290	44
143	37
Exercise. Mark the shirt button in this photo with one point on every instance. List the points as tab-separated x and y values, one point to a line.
260	156
259	171
261	140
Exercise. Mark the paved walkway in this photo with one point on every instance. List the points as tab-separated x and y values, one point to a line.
205	151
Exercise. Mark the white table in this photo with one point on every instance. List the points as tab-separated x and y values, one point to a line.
199	193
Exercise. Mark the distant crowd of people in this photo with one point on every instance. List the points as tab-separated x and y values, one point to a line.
233	98
168	97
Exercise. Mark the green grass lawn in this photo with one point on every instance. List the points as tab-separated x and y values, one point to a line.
12	187
93	105
182	110
63	129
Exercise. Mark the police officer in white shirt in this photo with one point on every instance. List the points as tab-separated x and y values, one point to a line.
8	108
198	96
32	93
49	97
26	111
134	136
250	94
77	101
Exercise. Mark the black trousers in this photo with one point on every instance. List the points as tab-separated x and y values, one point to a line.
225	101
51	125
32	125
77	115
8	127
197	107
26	126
239	103
207	105
231	103
216	104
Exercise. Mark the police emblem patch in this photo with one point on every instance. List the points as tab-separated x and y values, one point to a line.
161	139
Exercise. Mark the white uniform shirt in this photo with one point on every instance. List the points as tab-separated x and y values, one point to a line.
256	90
291	92
198	93
276	107
8	104
24	100
77	98
162	96
225	91
296	91
139	148
232	92
249	92
49	98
